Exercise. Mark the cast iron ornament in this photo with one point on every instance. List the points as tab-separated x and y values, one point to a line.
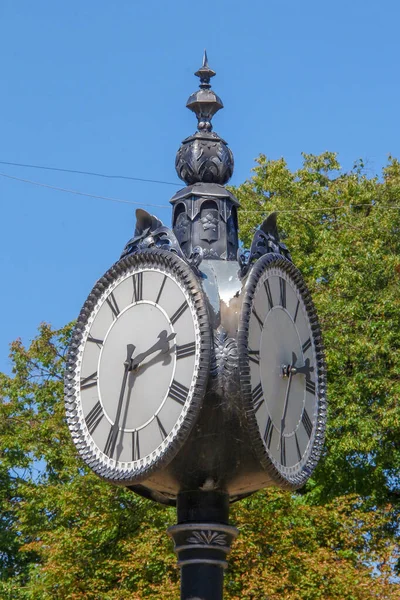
216	387
204	156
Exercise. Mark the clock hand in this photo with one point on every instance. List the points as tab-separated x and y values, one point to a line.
131	381
286	402
162	344
114	430
163	358
131	366
306	369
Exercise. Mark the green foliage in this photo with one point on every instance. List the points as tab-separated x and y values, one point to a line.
343	232
64	534
289	549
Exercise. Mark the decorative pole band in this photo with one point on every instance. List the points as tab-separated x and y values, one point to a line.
203	540
202	543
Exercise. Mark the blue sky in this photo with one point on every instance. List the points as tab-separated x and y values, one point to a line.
102	86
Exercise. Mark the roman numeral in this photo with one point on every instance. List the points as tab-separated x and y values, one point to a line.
112	303
257	392
310	386
283	451
111	441
137	280
135	445
88	382
298	447
164	434
96	341
185	350
161	289
308	426
178	392
257	397
268	433
282	288
268	292
94	417
306	345
177	315
297	310
254	356
261	324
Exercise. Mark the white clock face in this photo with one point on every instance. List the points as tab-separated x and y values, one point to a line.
137	368
285	367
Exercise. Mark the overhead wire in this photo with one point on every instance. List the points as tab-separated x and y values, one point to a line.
151	205
91	173
79	193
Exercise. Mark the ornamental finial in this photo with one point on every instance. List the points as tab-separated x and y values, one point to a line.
204	157
205	73
205	102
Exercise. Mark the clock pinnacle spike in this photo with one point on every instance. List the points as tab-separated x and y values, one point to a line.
205	73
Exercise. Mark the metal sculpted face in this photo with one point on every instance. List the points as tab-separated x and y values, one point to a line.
182	227
209	221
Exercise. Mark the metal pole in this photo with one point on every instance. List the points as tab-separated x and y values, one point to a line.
202	540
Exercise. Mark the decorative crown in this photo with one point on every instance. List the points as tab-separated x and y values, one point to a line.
204	157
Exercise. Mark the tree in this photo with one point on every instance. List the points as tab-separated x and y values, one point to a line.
64	534
343	232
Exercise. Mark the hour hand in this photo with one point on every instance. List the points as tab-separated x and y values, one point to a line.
306	369
164	340
162	344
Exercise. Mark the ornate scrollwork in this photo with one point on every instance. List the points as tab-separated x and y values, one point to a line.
208	537
225	357
204	157
212	540
151	233
266	239
210	253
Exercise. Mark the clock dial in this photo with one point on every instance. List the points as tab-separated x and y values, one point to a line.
282	370
136	371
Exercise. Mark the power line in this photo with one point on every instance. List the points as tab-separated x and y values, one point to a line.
91	173
78	193
121	201
325	208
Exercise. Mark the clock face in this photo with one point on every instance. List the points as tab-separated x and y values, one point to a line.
283	370
134	373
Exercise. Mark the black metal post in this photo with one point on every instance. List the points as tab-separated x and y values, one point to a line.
202	540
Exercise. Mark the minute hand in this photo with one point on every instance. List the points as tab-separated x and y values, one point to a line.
112	438
162	344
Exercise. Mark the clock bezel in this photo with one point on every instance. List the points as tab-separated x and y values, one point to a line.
153	259
284	480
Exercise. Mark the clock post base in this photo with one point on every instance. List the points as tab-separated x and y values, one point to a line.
202	540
